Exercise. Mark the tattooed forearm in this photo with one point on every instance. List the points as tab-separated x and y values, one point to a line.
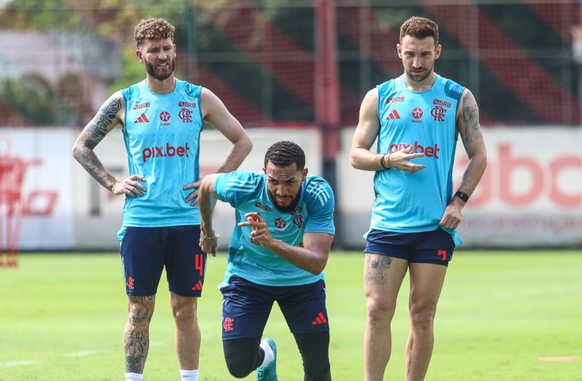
471	123
94	132
376	268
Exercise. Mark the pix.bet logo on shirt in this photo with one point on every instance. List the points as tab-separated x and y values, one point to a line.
429	151
167	151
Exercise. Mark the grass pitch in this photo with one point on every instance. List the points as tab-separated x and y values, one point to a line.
62	318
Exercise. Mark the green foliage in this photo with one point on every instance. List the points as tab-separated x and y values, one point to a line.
33	97
62	318
44	15
133	71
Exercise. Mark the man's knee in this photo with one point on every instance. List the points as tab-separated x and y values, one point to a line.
422	317
242	355
185	312
380	310
317	371
141	309
183	308
240	366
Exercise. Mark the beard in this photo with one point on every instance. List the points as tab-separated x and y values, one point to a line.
422	77
158	73
288	208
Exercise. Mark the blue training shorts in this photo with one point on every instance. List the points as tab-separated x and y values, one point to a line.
246	307
146	251
435	246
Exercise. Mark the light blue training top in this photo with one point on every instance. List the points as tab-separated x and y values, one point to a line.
415	202
162	138
247	192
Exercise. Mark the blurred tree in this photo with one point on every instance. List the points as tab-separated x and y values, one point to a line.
32	97
41	15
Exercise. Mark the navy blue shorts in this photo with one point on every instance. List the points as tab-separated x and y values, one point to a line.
146	251
246	307
435	246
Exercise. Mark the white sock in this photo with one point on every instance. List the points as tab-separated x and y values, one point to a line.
269	355
133	377
189	375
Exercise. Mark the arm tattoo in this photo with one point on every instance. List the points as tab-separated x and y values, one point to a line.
136	337
471	123
376	268
99	126
93	133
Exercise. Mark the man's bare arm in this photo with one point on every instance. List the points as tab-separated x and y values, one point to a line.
216	113
472	138
109	115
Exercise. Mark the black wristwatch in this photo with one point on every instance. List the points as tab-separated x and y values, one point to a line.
462	196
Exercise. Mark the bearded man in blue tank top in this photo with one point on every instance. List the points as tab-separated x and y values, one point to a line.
417	119
277	252
161	119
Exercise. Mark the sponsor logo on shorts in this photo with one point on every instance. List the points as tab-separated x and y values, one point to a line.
198	286
130	283
320	319
228	324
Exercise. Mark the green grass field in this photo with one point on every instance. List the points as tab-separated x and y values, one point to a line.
62	318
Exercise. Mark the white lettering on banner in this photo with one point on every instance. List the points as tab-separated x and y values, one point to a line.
499	181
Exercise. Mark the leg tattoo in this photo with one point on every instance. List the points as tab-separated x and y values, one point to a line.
376	268
136	336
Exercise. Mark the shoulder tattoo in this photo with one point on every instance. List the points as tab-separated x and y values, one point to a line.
101	123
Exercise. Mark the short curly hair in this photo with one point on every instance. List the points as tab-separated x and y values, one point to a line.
153	29
421	28
283	154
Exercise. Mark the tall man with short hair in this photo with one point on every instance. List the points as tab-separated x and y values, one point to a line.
416	210
277	252
161	119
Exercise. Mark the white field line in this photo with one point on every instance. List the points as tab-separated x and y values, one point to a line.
18	363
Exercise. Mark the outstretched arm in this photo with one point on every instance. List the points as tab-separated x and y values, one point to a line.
109	115
311	257
472	138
